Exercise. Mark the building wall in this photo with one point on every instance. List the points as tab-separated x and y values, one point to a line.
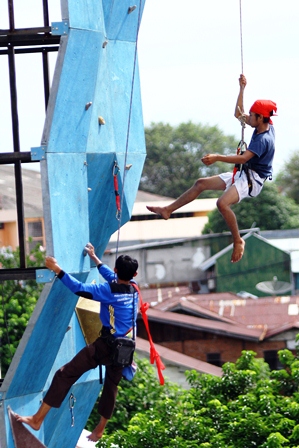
198	344
167	263
9	235
261	262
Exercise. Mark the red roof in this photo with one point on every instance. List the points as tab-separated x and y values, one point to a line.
223	312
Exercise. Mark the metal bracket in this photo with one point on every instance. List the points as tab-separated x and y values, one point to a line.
44	275
60	28
38	153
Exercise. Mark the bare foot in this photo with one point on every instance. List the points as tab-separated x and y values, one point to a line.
238	251
98	431
31	421
159	211
95	435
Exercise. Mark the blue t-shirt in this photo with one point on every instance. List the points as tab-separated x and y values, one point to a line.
263	146
118	301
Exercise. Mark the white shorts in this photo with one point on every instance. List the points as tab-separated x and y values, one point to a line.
241	183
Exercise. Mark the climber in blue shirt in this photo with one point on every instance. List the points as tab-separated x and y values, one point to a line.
119	306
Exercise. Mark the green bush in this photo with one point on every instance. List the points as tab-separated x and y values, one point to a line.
245	408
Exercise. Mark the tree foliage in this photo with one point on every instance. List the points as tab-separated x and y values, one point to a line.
248	406
174	155
288	178
268	211
18	299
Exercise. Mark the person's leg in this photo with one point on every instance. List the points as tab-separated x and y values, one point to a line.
203	184
224	204
35	421
62	381
98	431
107	400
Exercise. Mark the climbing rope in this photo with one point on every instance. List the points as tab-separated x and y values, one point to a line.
241	37
241	117
119	213
242	146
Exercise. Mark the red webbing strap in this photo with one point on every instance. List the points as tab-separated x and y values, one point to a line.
115	172
154	355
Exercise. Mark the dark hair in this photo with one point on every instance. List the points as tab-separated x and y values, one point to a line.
126	267
265	119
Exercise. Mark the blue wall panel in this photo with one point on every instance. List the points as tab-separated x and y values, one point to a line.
47	332
70	122
113	99
58	430
87	15
119	24
68	192
79	198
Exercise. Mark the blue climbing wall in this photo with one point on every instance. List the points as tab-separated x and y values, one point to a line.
96	75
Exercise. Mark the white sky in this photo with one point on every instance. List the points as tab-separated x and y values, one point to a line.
190	61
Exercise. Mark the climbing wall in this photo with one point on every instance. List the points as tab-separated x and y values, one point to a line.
93	123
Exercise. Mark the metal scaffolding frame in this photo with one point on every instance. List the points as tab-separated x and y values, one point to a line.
12	42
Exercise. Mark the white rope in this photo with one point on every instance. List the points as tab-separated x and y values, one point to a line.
241	37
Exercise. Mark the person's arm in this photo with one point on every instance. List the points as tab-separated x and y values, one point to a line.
209	159
90	251
51	263
87	290
239	109
104	270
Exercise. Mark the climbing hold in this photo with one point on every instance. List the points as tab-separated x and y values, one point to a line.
128	166
101	120
22	437
89	189
105	43
87	105
131	9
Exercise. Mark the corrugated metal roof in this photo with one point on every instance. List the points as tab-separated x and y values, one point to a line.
268	315
208	325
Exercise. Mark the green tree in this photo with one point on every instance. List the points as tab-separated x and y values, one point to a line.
248	406
174	155
269	211
288	178
18	299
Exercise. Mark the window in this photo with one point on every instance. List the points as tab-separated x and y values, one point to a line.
215	359
271	357
34	232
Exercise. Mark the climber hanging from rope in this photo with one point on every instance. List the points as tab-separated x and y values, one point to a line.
256	161
253	165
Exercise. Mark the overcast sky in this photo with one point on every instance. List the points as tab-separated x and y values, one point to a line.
190	61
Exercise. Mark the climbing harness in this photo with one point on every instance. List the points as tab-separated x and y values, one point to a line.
242	147
72	401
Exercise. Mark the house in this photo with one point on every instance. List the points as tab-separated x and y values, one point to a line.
144	226
191	261
216	327
197	317
33	208
261	262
